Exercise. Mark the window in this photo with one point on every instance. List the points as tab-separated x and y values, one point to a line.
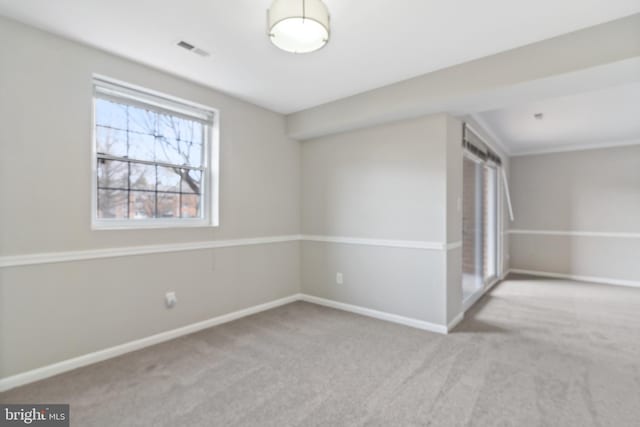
155	162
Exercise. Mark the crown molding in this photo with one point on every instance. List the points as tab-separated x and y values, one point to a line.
572	233
486	128
575	147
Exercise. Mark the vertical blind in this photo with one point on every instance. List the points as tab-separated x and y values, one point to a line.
476	146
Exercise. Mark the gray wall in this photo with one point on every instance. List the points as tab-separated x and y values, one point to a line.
52	312
406	282
580	191
454	217
386	182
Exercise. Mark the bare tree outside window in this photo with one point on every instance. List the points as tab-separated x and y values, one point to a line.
150	163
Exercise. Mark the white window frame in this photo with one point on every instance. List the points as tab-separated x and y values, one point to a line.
210	179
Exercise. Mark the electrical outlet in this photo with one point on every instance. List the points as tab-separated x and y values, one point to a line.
170	299
339	279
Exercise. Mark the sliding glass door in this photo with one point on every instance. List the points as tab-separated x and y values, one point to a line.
480	220
472	228
490	224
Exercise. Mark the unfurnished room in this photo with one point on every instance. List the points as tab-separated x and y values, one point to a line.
320	213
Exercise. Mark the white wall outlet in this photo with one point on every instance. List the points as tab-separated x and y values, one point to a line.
339	279
170	299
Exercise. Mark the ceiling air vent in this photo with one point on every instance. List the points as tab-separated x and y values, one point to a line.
192	48
200	52
183	44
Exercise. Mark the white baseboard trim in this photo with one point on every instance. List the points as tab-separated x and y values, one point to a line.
38	374
592	279
44	372
469	302
389	317
455	322
472	299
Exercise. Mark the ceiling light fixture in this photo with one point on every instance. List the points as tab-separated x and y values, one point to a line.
298	26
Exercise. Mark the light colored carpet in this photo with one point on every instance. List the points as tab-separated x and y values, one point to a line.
532	353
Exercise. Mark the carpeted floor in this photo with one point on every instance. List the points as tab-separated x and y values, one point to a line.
531	353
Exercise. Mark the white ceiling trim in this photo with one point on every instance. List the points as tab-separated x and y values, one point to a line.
482	124
575	147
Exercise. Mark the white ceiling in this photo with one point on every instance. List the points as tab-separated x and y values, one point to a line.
589	119
373	42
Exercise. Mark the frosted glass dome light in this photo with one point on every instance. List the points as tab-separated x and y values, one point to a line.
298	26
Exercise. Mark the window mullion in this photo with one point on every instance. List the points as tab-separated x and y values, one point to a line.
129	190
180	195
156	192
147	162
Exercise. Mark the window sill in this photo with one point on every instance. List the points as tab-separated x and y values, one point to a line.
107	225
